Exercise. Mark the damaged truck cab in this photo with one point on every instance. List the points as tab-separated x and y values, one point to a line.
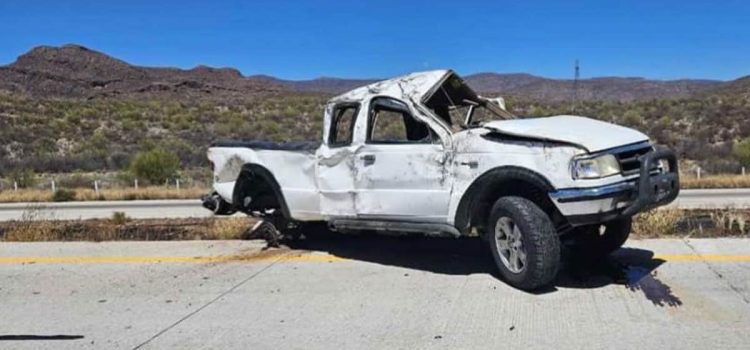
425	154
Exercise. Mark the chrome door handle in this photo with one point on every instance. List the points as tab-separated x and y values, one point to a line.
471	164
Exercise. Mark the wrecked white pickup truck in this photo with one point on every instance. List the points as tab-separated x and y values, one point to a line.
423	153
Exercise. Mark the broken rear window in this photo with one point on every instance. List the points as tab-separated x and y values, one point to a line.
342	125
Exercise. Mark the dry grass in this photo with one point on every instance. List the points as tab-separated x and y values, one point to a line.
657	223
736	221
654	224
715	181
154	192
234	227
693	223
120	228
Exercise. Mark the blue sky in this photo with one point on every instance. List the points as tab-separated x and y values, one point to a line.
307	39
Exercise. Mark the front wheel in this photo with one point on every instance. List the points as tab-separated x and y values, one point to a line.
523	242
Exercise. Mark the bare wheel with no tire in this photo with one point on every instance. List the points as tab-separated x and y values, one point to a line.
524	243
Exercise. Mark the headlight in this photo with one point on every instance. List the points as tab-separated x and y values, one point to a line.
597	167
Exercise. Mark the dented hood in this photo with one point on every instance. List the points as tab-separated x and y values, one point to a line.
591	134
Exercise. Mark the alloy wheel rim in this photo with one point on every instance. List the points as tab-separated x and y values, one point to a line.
509	244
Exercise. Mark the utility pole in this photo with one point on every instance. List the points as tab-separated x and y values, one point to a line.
575	85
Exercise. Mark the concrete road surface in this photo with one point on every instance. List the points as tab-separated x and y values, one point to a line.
367	293
688	199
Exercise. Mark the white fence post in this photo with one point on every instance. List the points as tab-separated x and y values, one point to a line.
15	186
698	172
53	186
135	183
96	187
743	171
177	182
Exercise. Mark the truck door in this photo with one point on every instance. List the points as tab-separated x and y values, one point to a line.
401	170
335	171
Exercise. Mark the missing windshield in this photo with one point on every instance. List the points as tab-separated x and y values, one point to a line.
460	107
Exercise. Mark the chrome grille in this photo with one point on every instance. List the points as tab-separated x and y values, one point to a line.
628	158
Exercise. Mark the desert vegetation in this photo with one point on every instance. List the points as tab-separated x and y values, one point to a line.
72	135
120	227
94	186
112	194
107	135
715	181
71	109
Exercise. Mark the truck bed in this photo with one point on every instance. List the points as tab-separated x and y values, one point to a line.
304	146
292	165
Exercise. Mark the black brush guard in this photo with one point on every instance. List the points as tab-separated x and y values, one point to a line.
654	190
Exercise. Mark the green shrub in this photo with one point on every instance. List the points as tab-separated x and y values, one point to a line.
155	166
24	178
119	218
63	195
632	118
742	151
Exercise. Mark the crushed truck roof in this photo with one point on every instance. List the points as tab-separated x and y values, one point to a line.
413	86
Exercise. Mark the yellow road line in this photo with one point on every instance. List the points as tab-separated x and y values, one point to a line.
707	257
22	260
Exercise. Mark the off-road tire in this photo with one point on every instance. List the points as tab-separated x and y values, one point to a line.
538	237
594	242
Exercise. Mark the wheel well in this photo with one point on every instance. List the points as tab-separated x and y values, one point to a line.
257	182
476	202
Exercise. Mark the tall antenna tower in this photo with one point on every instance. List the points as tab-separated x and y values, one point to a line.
575	85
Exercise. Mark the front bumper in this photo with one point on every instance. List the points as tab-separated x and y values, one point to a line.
654	187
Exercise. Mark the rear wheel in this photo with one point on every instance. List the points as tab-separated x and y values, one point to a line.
523	242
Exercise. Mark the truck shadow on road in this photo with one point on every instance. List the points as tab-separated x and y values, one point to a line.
634	268
631	267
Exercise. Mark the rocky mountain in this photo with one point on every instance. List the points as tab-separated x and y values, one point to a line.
73	71
604	88
739	87
532	87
